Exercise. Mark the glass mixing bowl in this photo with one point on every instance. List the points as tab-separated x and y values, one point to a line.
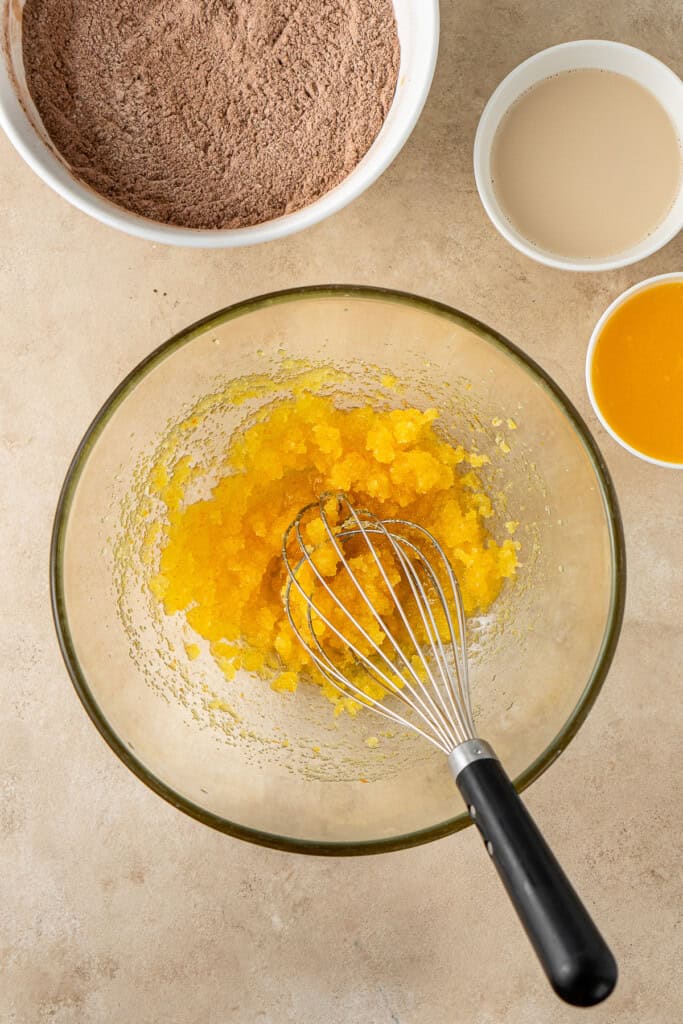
278	769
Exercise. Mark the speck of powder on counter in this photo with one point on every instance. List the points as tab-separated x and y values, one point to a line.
211	113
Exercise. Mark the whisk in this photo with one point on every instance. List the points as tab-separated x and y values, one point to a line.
408	662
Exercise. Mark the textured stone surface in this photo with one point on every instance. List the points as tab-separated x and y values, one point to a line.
113	906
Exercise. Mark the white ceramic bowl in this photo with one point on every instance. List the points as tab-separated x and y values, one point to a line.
418	29
649	72
641	286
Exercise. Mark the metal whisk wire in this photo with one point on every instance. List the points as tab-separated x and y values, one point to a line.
437	688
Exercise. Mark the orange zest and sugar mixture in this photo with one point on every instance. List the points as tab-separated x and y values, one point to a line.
221	558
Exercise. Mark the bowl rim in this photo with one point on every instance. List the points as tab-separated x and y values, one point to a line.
640	286
55	172
183	337
482	151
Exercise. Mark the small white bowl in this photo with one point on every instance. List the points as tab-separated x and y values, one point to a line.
641	286
604	55
418	30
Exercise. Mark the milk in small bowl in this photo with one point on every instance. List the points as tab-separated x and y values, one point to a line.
578	157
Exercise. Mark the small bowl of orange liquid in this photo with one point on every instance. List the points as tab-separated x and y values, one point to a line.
634	370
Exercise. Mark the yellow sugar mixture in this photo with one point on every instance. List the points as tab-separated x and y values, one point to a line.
221	558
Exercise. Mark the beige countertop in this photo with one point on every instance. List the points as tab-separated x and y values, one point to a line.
116	908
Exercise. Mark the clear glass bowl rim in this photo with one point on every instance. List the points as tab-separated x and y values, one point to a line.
166	349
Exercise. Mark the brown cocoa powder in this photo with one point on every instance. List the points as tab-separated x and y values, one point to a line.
211	113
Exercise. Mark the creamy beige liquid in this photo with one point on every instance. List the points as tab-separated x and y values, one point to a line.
586	164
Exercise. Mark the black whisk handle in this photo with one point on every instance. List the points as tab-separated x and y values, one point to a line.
572	952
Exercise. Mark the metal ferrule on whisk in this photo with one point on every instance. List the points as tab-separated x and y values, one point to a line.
468	752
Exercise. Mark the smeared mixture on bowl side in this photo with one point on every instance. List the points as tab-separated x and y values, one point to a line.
221	566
